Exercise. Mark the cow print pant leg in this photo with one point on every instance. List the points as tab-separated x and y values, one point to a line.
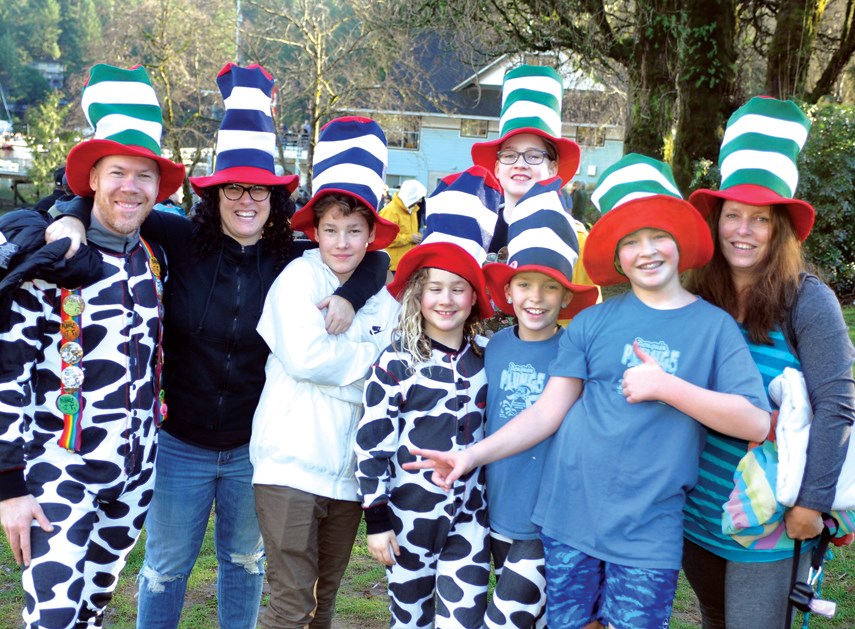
519	599
75	568
442	573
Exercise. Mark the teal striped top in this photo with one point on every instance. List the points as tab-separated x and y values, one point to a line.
721	455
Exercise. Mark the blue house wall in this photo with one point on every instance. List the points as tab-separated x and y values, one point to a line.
444	151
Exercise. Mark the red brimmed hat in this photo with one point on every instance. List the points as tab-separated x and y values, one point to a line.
541	239
758	161
246	141
635	193
461	217
350	158
531	103
124	111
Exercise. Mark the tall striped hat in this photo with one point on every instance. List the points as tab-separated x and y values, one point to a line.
246	141
541	239
531	103
634	193
124	111
350	158
758	159
461	216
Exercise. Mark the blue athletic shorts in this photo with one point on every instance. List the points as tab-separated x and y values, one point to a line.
581	589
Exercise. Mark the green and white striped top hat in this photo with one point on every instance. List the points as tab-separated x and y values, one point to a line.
531	103
122	107
758	160
634	193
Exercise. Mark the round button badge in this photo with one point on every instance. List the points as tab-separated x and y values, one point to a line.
73	305
67	404
71	353
71	377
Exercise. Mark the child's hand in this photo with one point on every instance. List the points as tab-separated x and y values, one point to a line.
383	547
643	382
339	315
447	466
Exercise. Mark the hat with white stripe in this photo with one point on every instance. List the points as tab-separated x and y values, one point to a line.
758	159
639	192
123	108
350	158
246	141
531	103
460	219
541	239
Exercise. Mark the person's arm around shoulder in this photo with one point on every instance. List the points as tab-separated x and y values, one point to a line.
527	429
368	278
727	413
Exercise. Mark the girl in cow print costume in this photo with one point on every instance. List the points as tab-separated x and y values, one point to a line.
428	389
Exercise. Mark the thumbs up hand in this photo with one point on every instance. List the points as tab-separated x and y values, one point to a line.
643	382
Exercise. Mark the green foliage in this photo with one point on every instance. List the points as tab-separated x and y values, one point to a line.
826	168
49	139
705	174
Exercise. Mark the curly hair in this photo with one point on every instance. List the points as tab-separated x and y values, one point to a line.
276	236
409	335
775	284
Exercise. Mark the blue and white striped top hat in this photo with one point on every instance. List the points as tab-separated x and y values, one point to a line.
541	239
350	158
461	216
246	141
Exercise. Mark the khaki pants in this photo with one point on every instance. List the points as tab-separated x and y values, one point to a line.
308	540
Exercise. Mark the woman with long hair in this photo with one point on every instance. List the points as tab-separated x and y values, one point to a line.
789	318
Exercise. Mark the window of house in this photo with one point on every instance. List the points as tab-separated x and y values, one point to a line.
402	132
470	128
590	136
394	181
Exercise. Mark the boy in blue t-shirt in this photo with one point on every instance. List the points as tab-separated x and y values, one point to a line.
535	286
611	498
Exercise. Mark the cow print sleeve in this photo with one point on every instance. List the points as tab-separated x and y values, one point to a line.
377	435
22	339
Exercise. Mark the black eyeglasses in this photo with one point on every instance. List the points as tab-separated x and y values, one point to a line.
234	192
533	157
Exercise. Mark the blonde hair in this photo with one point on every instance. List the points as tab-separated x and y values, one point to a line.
410	337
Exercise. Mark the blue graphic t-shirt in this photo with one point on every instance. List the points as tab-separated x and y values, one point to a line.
517	372
617	474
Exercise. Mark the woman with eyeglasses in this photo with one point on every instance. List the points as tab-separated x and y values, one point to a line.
221	265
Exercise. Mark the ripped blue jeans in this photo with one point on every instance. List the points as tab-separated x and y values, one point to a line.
190	480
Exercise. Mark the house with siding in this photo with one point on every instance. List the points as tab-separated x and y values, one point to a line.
434	139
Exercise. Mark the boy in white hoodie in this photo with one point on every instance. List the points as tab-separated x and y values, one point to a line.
305	425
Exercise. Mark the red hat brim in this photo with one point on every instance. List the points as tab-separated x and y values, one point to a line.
448	257
85	155
499	275
484	153
801	213
245	174
670	214
303	220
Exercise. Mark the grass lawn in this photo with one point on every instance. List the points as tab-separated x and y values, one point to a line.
362	602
